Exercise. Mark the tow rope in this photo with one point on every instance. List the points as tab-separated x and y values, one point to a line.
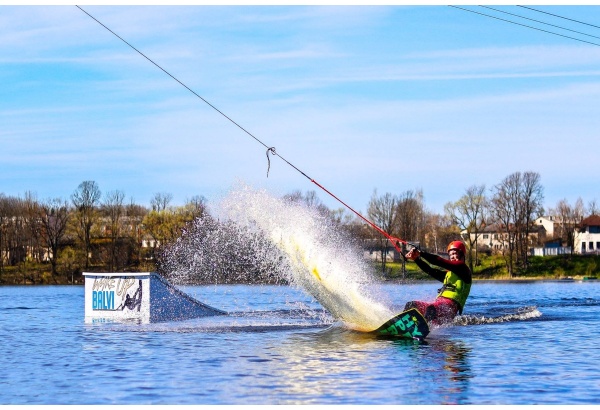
270	150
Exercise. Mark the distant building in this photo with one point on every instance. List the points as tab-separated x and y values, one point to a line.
587	236
494	238
551	248
548	223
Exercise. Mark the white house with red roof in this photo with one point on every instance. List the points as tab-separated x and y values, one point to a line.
587	235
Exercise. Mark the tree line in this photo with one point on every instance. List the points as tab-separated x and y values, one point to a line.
96	232
88	232
510	206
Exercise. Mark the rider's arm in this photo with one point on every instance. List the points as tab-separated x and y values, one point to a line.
458	267
428	269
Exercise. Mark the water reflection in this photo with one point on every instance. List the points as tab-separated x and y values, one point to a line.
341	366
326	366
448	362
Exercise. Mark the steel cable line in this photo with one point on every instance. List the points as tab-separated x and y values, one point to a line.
556	15
270	150
525	25
538	21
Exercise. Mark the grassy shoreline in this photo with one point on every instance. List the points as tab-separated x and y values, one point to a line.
489	268
563	267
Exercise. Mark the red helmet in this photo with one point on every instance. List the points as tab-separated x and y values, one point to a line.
458	245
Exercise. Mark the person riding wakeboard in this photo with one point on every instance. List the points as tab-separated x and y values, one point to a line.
456	278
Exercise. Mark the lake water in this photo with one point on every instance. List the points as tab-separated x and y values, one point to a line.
518	343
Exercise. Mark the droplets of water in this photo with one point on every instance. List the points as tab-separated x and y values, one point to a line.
255	236
320	257
222	252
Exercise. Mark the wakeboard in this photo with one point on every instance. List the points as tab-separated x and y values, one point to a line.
409	324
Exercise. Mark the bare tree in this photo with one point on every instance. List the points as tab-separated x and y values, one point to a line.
441	230
135	215
4	221
515	202
568	218
85	200
54	218
563	215
160	201
114	211
19	231
409	216
593	207
197	205
409	220
33	234
469	213
382	212
504	206
530	206
578	211
17	238
311	200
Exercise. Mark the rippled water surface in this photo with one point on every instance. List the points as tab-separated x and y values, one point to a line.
525	343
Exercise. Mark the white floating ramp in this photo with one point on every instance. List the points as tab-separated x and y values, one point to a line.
143	297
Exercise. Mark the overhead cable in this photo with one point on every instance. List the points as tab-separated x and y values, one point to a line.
556	15
525	25
538	21
270	150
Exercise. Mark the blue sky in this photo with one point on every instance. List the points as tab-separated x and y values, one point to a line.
359	98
